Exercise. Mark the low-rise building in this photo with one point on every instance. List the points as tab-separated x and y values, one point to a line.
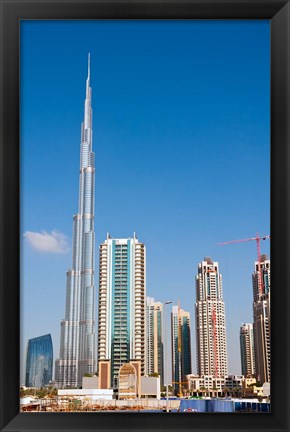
208	385
150	387
90	382
266	389
88	394
234	382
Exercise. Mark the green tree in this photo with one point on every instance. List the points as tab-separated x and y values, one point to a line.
226	391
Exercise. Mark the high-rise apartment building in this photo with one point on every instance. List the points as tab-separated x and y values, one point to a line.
77	340
181	346
39	361
211	347
262	322
247	350
122	304
154	327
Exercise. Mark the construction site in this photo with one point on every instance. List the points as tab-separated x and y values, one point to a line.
57	404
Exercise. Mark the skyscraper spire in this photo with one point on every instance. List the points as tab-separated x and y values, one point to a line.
77	342
88	96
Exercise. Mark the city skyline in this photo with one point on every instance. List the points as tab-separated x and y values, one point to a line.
120	121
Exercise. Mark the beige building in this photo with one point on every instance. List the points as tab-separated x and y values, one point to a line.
129	382
247	350
122	304
209	385
154	327
150	387
211	345
90	382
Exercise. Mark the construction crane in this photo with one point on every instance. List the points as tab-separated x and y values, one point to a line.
180	385
258	240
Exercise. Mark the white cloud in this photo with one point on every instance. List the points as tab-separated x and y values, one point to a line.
54	242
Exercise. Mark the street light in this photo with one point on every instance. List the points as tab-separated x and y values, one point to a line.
165	351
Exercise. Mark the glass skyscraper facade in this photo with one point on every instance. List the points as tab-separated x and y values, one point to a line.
39	361
181	346
77	340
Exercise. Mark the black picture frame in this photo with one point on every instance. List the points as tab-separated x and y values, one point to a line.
278	12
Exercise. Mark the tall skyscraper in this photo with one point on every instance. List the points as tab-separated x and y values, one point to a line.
77	340
154	338
39	361
262	322
122	303
181	346
211	347
247	350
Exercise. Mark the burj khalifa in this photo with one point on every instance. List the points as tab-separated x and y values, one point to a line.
77	338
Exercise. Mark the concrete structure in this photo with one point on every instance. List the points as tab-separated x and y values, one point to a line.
88	394
39	361
253	391
266	389
247	350
122	303
105	374
129	381
232	382
262	321
90	382
77	339
154	327
181	347
211	346
150	387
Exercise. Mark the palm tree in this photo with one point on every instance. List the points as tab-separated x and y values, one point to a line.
226	391
214	389
202	390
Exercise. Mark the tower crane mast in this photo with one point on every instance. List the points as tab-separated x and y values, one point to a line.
258	240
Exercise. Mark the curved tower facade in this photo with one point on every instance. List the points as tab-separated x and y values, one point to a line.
77	342
39	361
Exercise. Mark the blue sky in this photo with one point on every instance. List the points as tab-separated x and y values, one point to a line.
181	134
